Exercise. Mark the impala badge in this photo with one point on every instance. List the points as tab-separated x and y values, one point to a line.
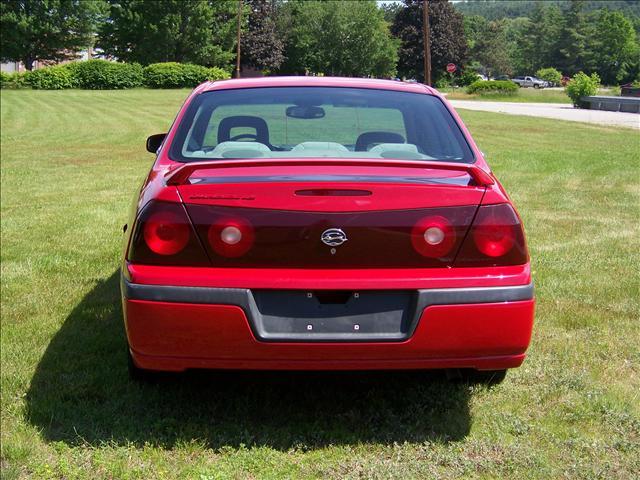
333	237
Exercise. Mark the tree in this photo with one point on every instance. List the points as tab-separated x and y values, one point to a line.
53	30
262	44
195	31
448	43
614	48
490	49
474	28
534	42
572	40
338	38
519	43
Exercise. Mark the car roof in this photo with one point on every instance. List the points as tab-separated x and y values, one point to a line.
303	81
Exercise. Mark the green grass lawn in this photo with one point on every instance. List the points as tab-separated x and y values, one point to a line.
523	95
71	164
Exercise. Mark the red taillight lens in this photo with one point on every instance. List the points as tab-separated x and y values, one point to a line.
231	237
433	237
163	235
496	238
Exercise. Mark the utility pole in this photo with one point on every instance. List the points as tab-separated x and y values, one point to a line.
238	50
426	32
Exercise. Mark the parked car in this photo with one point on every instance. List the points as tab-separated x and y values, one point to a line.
315	223
530	82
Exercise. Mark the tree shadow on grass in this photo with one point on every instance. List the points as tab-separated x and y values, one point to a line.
81	393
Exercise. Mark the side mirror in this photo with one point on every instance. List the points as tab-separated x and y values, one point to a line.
154	142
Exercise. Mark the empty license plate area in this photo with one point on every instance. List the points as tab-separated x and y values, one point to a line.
333	315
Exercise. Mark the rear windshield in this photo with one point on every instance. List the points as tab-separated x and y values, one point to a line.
313	122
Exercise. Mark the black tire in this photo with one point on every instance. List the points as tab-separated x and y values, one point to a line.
141	375
486	377
477	377
536	85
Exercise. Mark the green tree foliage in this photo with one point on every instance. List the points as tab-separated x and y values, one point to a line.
448	44
541	41
338	38
491	50
390	10
497	9
52	30
474	28
262	44
614	48
569	35
570	57
196	31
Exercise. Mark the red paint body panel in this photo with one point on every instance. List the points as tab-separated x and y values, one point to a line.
176	336
320	279
282	196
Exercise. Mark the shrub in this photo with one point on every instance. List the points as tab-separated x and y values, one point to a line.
5	79
12	80
180	75
50	78
105	75
498	87
215	73
442	82
467	77
582	85
551	75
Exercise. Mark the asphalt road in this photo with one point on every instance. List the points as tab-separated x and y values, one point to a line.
554	110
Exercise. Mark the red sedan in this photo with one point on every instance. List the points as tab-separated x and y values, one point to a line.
323	224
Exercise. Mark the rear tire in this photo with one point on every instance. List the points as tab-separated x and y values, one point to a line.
140	375
486	377
477	377
536	86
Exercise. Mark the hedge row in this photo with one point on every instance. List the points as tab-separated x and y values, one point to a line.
500	87
104	75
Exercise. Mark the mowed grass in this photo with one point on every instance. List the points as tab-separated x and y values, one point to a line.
72	162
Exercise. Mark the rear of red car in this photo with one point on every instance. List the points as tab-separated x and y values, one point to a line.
324	224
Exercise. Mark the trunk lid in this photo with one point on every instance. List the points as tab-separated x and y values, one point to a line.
347	216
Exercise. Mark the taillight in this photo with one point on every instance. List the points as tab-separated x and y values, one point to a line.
433	237
231	237
495	238
163	235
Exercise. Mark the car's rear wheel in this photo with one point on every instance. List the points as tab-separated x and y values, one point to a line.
138	374
536	86
487	377
484	377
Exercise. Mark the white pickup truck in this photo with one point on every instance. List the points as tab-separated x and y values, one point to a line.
530	82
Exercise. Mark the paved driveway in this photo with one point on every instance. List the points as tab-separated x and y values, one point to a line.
554	110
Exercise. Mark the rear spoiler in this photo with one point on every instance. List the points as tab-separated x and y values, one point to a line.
180	175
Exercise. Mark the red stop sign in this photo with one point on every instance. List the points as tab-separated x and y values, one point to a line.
451	67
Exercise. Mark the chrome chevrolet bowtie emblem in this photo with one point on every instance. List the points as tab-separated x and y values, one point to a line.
333	237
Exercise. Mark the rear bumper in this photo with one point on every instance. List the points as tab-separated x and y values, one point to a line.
180	327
